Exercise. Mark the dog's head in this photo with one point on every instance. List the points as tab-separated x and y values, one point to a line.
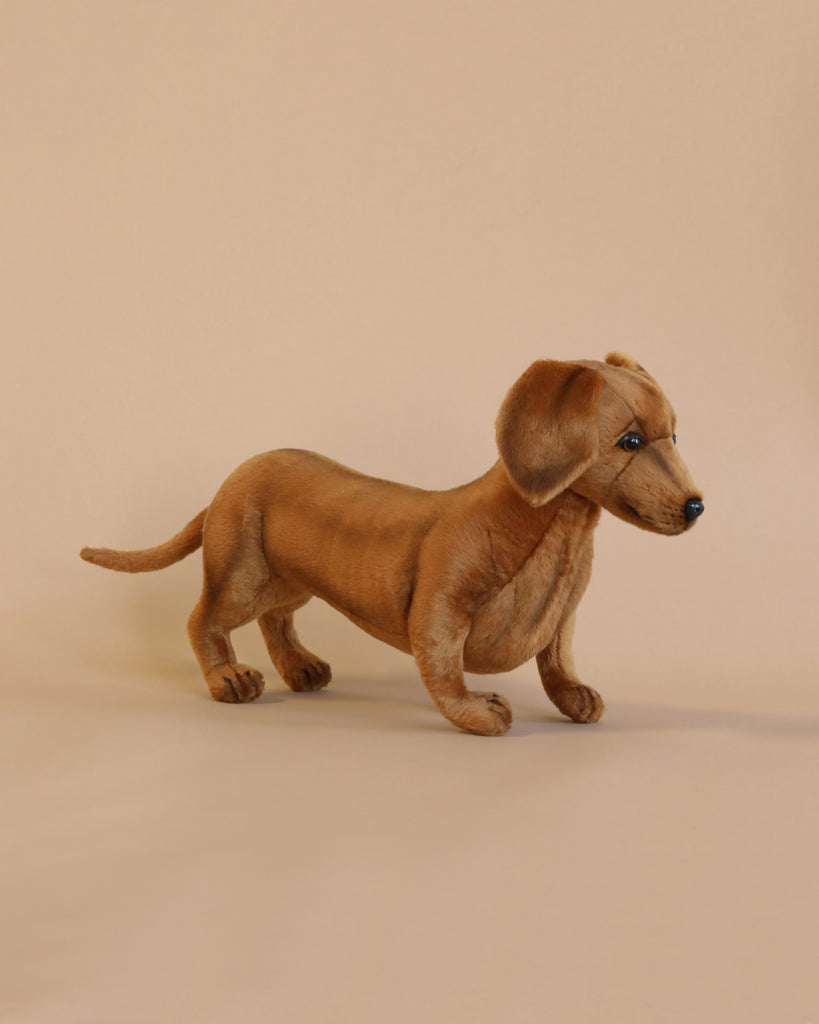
603	430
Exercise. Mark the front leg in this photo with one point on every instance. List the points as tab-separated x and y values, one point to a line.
437	634
556	666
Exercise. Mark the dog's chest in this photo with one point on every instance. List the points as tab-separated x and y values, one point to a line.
521	617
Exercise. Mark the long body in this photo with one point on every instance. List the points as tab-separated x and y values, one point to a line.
361	544
480	578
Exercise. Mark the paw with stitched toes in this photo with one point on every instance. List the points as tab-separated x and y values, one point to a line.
235	684
580	703
486	714
305	672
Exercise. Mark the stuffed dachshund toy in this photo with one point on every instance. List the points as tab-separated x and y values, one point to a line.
478	579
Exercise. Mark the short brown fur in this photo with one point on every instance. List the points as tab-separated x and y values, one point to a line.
479	579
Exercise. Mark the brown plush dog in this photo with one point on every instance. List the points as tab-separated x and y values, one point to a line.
479	579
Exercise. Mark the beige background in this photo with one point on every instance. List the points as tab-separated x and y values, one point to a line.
229	227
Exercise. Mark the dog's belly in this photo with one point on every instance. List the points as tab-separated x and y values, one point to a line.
395	637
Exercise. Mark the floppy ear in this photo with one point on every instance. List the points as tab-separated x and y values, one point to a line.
547	428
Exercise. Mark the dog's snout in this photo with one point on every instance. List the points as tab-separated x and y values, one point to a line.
693	509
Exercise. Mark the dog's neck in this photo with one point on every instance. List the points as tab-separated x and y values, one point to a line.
496	489
561	530
516	527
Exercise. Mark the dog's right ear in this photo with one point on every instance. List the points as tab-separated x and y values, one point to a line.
547	428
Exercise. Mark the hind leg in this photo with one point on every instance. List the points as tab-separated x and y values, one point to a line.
300	669
209	631
236	587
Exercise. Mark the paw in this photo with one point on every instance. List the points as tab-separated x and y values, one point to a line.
235	684
306	672
580	703
487	714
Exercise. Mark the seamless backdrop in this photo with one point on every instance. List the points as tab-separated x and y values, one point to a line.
350	227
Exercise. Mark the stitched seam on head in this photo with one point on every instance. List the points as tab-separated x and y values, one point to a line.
625	402
619	474
631	409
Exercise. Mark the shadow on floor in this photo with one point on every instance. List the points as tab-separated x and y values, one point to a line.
151	642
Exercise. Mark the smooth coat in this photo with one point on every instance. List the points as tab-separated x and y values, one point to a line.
480	578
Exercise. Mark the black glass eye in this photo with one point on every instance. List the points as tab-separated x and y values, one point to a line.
631	442
674	438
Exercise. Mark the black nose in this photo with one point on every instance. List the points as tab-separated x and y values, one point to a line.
693	508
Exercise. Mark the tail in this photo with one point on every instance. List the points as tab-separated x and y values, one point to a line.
174	550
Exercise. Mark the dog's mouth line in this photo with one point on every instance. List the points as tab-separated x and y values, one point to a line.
664	525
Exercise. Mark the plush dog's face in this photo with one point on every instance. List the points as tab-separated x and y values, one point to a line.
638	474
603	430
